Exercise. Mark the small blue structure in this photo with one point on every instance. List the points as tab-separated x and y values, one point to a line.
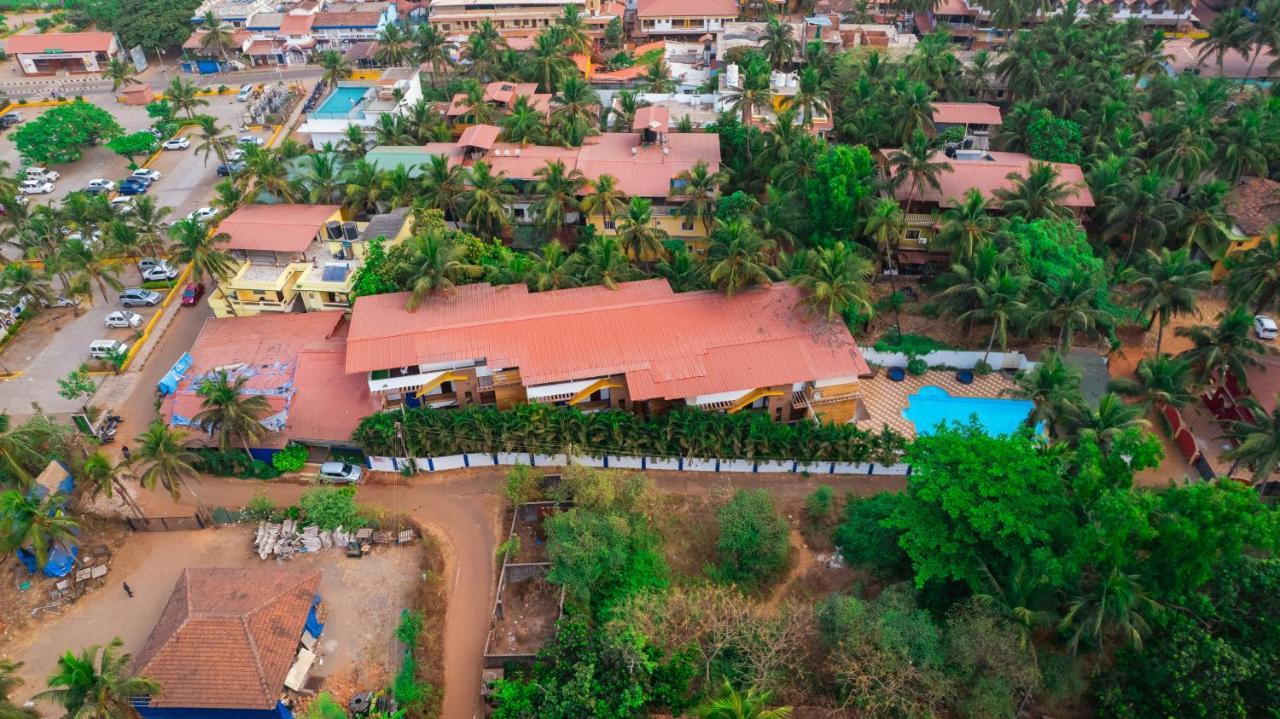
169	383
54	480
61	561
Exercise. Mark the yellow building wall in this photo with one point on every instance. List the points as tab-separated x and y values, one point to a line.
695	240
1238	244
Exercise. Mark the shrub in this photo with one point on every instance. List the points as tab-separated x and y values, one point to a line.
325	706
754	540
916	366
818	504
864	540
259	509
409	628
407	689
509	548
331	507
290	459
909	344
982	368
522	485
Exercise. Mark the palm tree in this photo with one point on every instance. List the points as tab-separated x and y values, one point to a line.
335	65
836	281
18	449
434	266
24	280
1110	421
148	220
163	459
739	257
1071	306
96	684
967	226
321	176
1113	604
393	45
193	244
637	233
1204	219
486	199
228	410
432	49
1020	597
810	98
605	198
886	226
657	78
1228	31
34	524
1161	381
365	186
684	271
1254	277
218	36
1226	349
576	101
9	681
1257	442
213	139
120	71
103	476
553	268
181	94
559	189
1143	208
442	184
549	64
524	124
603	261
700	186
754	92
1055	390
266	172
1039	195
1166	286
915	162
732	704
228	197
90	268
572	30
778	43
1001	301
354	143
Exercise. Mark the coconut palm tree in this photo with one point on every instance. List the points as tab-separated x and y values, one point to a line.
836	281
1002	302
163	459
33	523
432	49
886	226
732	704
213	139
810	99
354	143
1143	208
217	36
228	197
1166	285
193	244
1111	420
1113	604
9	681
229	411
571	27
1039	195
549	64
120	71
684	271
1257	442
779	43
1226	348
637	233
102	476
181	94
914	163
442	184
603	261
524	124
90	268
365	191
553	268
266	172
335	65
753	92
97	684
1229	31
434	266
576	101
23	280
605	198
1071	306
558	189
739	257
1254	277
320	176
1204	219
394	47
1160	381
18	449
486	200
967	226
699	186
149	221
1055	390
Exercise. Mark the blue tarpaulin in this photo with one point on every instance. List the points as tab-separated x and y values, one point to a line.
313	625
169	383
148	712
62	560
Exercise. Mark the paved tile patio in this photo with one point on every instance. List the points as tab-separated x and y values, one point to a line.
885	399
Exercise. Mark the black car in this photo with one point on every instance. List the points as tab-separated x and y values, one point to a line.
230	168
133	187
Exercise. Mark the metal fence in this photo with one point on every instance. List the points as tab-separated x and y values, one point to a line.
167	524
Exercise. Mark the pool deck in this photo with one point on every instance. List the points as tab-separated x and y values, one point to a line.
884	399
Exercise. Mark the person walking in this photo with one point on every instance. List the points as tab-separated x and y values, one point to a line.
127	590
127	455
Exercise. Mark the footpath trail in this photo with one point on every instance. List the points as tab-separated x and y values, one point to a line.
464	510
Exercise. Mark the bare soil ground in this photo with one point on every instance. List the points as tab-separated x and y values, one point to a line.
530	608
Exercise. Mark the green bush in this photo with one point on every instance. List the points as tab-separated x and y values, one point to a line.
331	507
863	539
158	285
408	690
233	463
259	509
818	505
754	540
522	485
508	548
982	368
917	366
290	459
909	344
409	628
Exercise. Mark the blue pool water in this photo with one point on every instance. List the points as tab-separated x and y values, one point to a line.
932	405
340	102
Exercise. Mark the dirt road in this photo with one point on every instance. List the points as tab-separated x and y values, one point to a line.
464	509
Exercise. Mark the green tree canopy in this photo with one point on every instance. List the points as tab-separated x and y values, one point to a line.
61	132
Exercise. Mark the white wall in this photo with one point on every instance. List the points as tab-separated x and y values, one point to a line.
678	464
952	358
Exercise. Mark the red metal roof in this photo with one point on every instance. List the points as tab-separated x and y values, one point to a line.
988	174
329	403
651	118
227	637
966	113
64	41
481	136
275	228
668	345
687	8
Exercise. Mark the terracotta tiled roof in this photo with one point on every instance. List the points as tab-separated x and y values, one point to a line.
482	136
1254	205
668	345
966	113
65	41
651	118
348	19
238	38
296	24
504	93
988	175
687	8
264	47
278	228
227	637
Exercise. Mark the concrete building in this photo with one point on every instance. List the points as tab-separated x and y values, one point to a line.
975	121
62	52
361	103
288	34
510	17
682	18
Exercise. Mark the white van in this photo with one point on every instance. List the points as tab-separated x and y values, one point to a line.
246	92
104	349
42	174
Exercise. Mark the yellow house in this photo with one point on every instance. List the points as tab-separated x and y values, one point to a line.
1254	208
296	258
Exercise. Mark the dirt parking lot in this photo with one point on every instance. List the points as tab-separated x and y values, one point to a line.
362	599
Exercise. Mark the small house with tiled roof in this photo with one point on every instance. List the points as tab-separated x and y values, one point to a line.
1254	208
230	642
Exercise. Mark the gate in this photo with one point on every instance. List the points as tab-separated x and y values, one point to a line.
167	524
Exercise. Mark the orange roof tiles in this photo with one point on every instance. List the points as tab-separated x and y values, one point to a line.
64	41
275	228
1254	205
988	174
481	136
687	8
296	24
966	113
227	637
668	345
329	403
651	118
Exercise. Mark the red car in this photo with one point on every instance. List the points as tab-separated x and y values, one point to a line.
192	293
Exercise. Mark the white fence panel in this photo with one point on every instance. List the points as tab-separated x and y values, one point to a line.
692	464
550	460
851	468
737	465
453	461
775	466
588	461
513	458
479	459
814	467
626	462
898	469
382	464
952	358
663	463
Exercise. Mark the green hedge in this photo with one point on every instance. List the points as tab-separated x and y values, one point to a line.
544	429
233	463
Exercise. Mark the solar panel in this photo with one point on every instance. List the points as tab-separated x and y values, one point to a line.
334	273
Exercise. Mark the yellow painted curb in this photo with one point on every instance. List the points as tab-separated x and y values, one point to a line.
155	319
5	377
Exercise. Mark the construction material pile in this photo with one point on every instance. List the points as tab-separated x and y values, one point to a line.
286	539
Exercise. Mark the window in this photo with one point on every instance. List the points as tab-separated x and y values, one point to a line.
686	224
913	234
610	224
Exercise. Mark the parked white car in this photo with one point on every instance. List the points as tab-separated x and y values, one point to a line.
252	140
159	273
340	473
147	174
176	143
41	173
123	205
1264	327
202	214
63	302
103	349
35	187
101	185
235	154
124	320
